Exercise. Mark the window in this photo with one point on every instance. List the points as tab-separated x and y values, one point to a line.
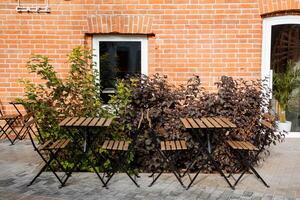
119	56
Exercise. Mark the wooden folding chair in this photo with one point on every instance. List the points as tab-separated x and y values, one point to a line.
119	151
48	150
241	150
8	128
166	149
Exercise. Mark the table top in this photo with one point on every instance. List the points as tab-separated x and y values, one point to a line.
85	122
207	123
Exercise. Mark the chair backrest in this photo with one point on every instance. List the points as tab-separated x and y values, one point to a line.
33	131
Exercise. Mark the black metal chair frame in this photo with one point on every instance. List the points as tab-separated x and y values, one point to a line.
243	157
52	153
120	163
9	126
165	156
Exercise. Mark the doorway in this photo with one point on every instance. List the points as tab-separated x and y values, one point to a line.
281	44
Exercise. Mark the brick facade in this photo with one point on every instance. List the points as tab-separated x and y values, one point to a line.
206	37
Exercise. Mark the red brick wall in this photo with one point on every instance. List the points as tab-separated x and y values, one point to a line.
206	37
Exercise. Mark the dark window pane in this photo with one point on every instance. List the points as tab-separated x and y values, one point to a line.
118	59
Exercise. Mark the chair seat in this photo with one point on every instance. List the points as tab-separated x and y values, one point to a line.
241	145
120	145
173	145
58	144
7	117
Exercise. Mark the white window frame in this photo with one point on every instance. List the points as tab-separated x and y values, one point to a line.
266	71
121	38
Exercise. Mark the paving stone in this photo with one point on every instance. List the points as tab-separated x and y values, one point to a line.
19	164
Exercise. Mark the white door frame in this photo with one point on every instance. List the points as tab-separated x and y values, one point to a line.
124	38
266	71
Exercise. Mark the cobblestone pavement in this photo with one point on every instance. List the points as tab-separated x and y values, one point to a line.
19	163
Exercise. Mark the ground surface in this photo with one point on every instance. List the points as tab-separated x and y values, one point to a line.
19	163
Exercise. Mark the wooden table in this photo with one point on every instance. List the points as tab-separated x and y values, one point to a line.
207	125
83	126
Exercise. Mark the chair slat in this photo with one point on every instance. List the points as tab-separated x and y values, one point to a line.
100	122
206	122
172	145
55	144
267	124
108	122
183	144
213	122
72	121
105	144
178	145
126	145
200	123
110	144
87	121
44	145
116	144
121	144
228	122
67	141
94	121
238	145
224	125
193	123
185	123
162	145
243	145
168	147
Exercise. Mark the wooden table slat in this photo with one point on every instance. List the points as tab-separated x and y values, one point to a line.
87	121
185	123
200	123
65	121
108	122
206	122
72	121
94	121
193	123
79	121
223	124
231	125
100	122
214	122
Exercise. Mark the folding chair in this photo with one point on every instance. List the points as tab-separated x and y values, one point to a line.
120	149
8	128
241	150
48	151
166	149
21	134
